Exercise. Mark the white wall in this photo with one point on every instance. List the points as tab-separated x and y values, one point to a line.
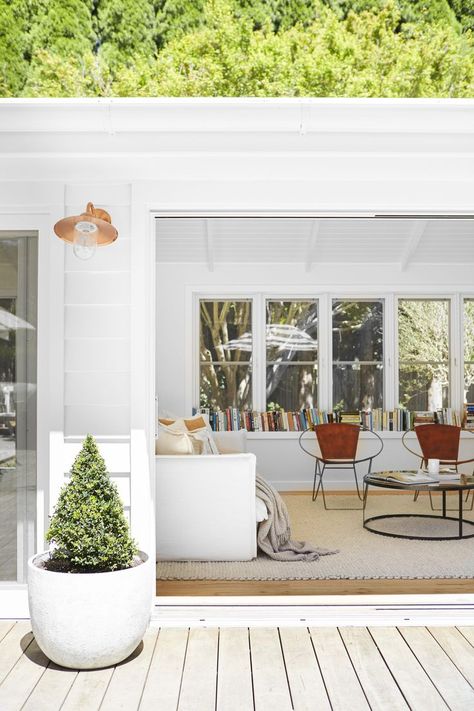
96	319
279	456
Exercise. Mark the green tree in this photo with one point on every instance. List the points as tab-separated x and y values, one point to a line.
61	35
88	528
126	30
175	18
14	46
464	10
362	55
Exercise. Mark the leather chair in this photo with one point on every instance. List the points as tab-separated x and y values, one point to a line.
338	444
437	442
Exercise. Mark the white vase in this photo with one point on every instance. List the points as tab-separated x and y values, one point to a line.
89	620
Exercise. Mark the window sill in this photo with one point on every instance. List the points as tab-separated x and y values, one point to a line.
363	435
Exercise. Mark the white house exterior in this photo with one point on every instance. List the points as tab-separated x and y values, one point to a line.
142	159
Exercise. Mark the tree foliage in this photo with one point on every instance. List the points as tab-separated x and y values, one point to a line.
88	529
237	48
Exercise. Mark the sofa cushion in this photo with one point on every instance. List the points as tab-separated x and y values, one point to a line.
190	435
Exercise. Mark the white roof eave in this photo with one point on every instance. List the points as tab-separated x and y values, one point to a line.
236	115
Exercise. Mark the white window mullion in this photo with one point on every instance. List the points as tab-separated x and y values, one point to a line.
389	350
456	351
325	352
259	354
195	365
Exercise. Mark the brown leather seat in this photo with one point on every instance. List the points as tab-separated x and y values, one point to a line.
337	442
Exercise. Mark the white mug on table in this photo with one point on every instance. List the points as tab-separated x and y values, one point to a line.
433	466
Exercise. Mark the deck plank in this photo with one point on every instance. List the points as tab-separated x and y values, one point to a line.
410	676
5	627
455	690
378	684
270	684
342	684
51	690
234	675
198	687
22	679
88	690
126	685
457	647
12	646
163	682
304	676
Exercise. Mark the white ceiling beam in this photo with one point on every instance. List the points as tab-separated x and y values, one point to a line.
209	244
416	233
312	242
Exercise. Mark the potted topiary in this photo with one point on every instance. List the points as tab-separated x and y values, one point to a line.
90	595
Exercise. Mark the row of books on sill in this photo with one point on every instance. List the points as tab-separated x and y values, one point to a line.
377	420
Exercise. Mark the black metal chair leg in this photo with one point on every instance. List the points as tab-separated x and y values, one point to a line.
356	482
316	472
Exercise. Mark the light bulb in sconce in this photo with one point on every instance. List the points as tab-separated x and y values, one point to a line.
85	239
87	231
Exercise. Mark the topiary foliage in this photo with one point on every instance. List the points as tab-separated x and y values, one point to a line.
89	531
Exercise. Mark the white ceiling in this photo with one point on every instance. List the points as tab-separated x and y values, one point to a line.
309	241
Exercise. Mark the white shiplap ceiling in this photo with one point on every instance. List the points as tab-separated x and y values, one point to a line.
306	240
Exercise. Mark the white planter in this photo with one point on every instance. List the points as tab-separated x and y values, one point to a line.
89	620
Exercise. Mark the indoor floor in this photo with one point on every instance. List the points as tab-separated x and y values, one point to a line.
361	562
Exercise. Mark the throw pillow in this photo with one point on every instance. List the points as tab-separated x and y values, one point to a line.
197	430
174	438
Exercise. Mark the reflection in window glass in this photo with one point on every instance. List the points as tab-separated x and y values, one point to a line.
469	350
357	348
423	353
18	269
225	373
291	340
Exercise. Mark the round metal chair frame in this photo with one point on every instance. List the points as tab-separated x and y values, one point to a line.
452	462
321	464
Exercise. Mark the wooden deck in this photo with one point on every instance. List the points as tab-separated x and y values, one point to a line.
240	669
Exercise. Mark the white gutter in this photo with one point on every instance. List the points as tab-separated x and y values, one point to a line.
237	115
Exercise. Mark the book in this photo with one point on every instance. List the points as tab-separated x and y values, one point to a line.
405	477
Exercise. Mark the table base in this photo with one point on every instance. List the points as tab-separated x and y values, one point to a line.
383	517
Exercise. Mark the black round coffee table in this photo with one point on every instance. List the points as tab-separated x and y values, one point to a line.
443	487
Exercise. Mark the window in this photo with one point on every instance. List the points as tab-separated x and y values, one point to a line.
18	353
423	353
357	353
468	350
225	369
291	341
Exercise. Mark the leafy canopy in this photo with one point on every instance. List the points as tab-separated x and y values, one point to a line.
388	48
88	529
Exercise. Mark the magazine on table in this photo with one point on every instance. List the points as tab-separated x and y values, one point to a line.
406	477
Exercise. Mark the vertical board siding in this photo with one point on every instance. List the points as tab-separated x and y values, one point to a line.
97	321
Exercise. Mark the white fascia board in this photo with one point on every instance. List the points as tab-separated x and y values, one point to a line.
239	115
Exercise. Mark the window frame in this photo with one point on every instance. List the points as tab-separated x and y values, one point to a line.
293	298
330	339
453	342
197	344
462	328
259	296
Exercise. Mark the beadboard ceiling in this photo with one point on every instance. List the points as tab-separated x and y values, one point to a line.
401	241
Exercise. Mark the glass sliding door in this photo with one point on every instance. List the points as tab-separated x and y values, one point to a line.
18	318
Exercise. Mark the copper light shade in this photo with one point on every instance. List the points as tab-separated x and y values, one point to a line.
105	233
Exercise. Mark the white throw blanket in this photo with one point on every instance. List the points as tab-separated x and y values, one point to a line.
273	535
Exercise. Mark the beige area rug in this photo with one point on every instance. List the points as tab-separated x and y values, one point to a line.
362	555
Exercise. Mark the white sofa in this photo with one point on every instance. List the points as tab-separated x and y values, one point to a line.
205	505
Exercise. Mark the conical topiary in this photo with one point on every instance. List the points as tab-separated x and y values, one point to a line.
88	529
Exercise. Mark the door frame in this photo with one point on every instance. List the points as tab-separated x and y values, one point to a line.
147	215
